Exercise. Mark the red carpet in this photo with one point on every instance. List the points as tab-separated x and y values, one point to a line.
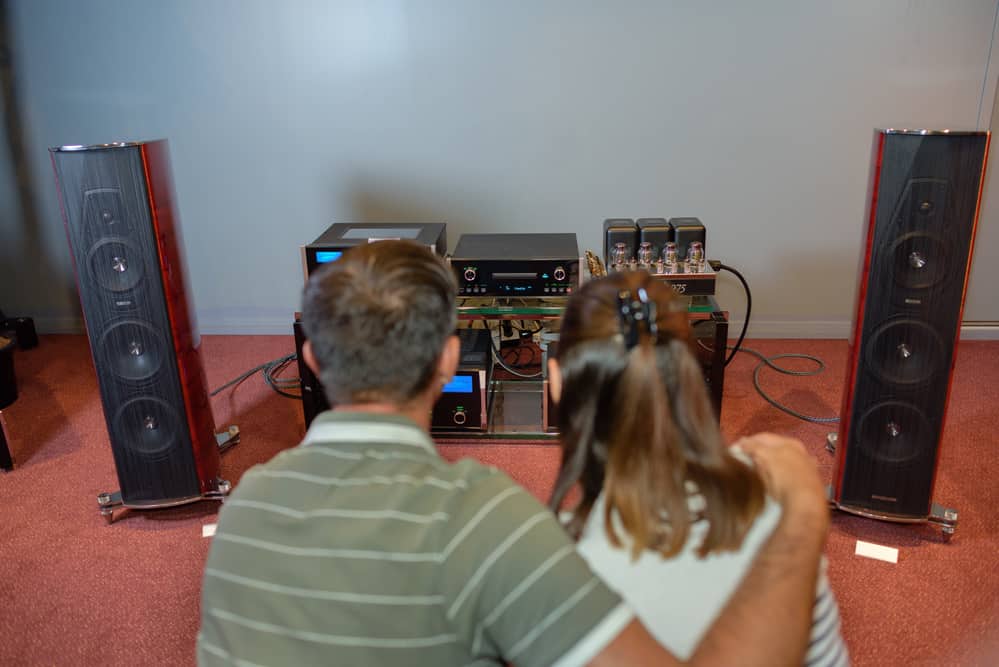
74	591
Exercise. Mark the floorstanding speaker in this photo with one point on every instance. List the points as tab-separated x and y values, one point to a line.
924	198
122	228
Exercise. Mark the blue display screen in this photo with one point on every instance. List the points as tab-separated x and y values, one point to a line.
460	384
323	256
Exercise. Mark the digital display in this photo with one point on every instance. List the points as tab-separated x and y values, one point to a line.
323	256
459	384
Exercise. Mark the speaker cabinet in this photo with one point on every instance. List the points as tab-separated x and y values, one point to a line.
117	206
923	209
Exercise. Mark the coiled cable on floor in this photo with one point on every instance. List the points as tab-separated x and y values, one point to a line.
270	370
769	361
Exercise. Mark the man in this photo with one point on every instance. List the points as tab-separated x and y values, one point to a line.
362	546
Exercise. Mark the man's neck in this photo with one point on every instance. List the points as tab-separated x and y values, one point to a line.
417	411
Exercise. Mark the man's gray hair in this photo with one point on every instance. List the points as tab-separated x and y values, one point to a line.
378	318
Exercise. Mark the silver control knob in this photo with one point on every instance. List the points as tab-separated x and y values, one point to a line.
559	273
470	274
459	417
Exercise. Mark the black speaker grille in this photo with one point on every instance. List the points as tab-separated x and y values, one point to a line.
113	242
920	246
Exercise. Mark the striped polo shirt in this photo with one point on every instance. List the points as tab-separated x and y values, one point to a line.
362	546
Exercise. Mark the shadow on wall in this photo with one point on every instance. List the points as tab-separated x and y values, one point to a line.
31	259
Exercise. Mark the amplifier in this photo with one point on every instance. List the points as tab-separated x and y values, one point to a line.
462	405
709	336
345	235
516	265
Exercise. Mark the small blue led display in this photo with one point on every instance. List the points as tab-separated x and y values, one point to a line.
323	256
460	384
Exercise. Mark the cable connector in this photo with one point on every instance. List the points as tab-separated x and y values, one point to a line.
715	265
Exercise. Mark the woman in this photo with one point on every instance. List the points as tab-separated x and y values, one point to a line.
665	505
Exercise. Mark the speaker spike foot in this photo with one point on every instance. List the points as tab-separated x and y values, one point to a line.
945	517
227	438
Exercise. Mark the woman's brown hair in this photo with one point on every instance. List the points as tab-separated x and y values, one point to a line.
637	423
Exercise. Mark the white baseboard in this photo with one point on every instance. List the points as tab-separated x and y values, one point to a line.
980	331
792	329
839	329
230	326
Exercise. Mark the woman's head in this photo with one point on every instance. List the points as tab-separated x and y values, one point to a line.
636	420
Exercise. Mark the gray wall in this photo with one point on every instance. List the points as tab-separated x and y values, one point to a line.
494	117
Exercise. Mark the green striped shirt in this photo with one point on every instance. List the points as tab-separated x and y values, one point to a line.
362	546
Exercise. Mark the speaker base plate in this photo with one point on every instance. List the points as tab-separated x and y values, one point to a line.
945	517
107	503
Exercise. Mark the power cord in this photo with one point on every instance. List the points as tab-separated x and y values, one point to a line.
498	356
768	361
716	265
270	369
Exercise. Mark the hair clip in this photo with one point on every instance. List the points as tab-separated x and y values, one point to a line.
634	313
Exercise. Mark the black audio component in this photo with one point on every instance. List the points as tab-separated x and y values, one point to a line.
125	243
8	380
686	231
709	334
22	330
345	235
462	405
923	208
516	265
314	398
657	233
620	230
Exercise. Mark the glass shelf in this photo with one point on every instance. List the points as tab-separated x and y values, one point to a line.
518	408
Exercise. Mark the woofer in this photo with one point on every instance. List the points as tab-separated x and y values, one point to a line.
905	352
116	264
134	351
148	427
894	432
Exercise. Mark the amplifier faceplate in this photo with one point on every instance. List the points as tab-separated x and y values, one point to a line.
535	265
495	277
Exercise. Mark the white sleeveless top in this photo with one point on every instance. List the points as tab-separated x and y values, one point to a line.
678	598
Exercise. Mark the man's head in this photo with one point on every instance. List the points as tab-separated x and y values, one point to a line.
378	320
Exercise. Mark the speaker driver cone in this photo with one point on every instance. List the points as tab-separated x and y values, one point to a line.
116	264
906	352
895	432
133	350
920	260
148	426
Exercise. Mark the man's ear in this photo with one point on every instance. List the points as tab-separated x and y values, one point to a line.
554	380
309	357
447	364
